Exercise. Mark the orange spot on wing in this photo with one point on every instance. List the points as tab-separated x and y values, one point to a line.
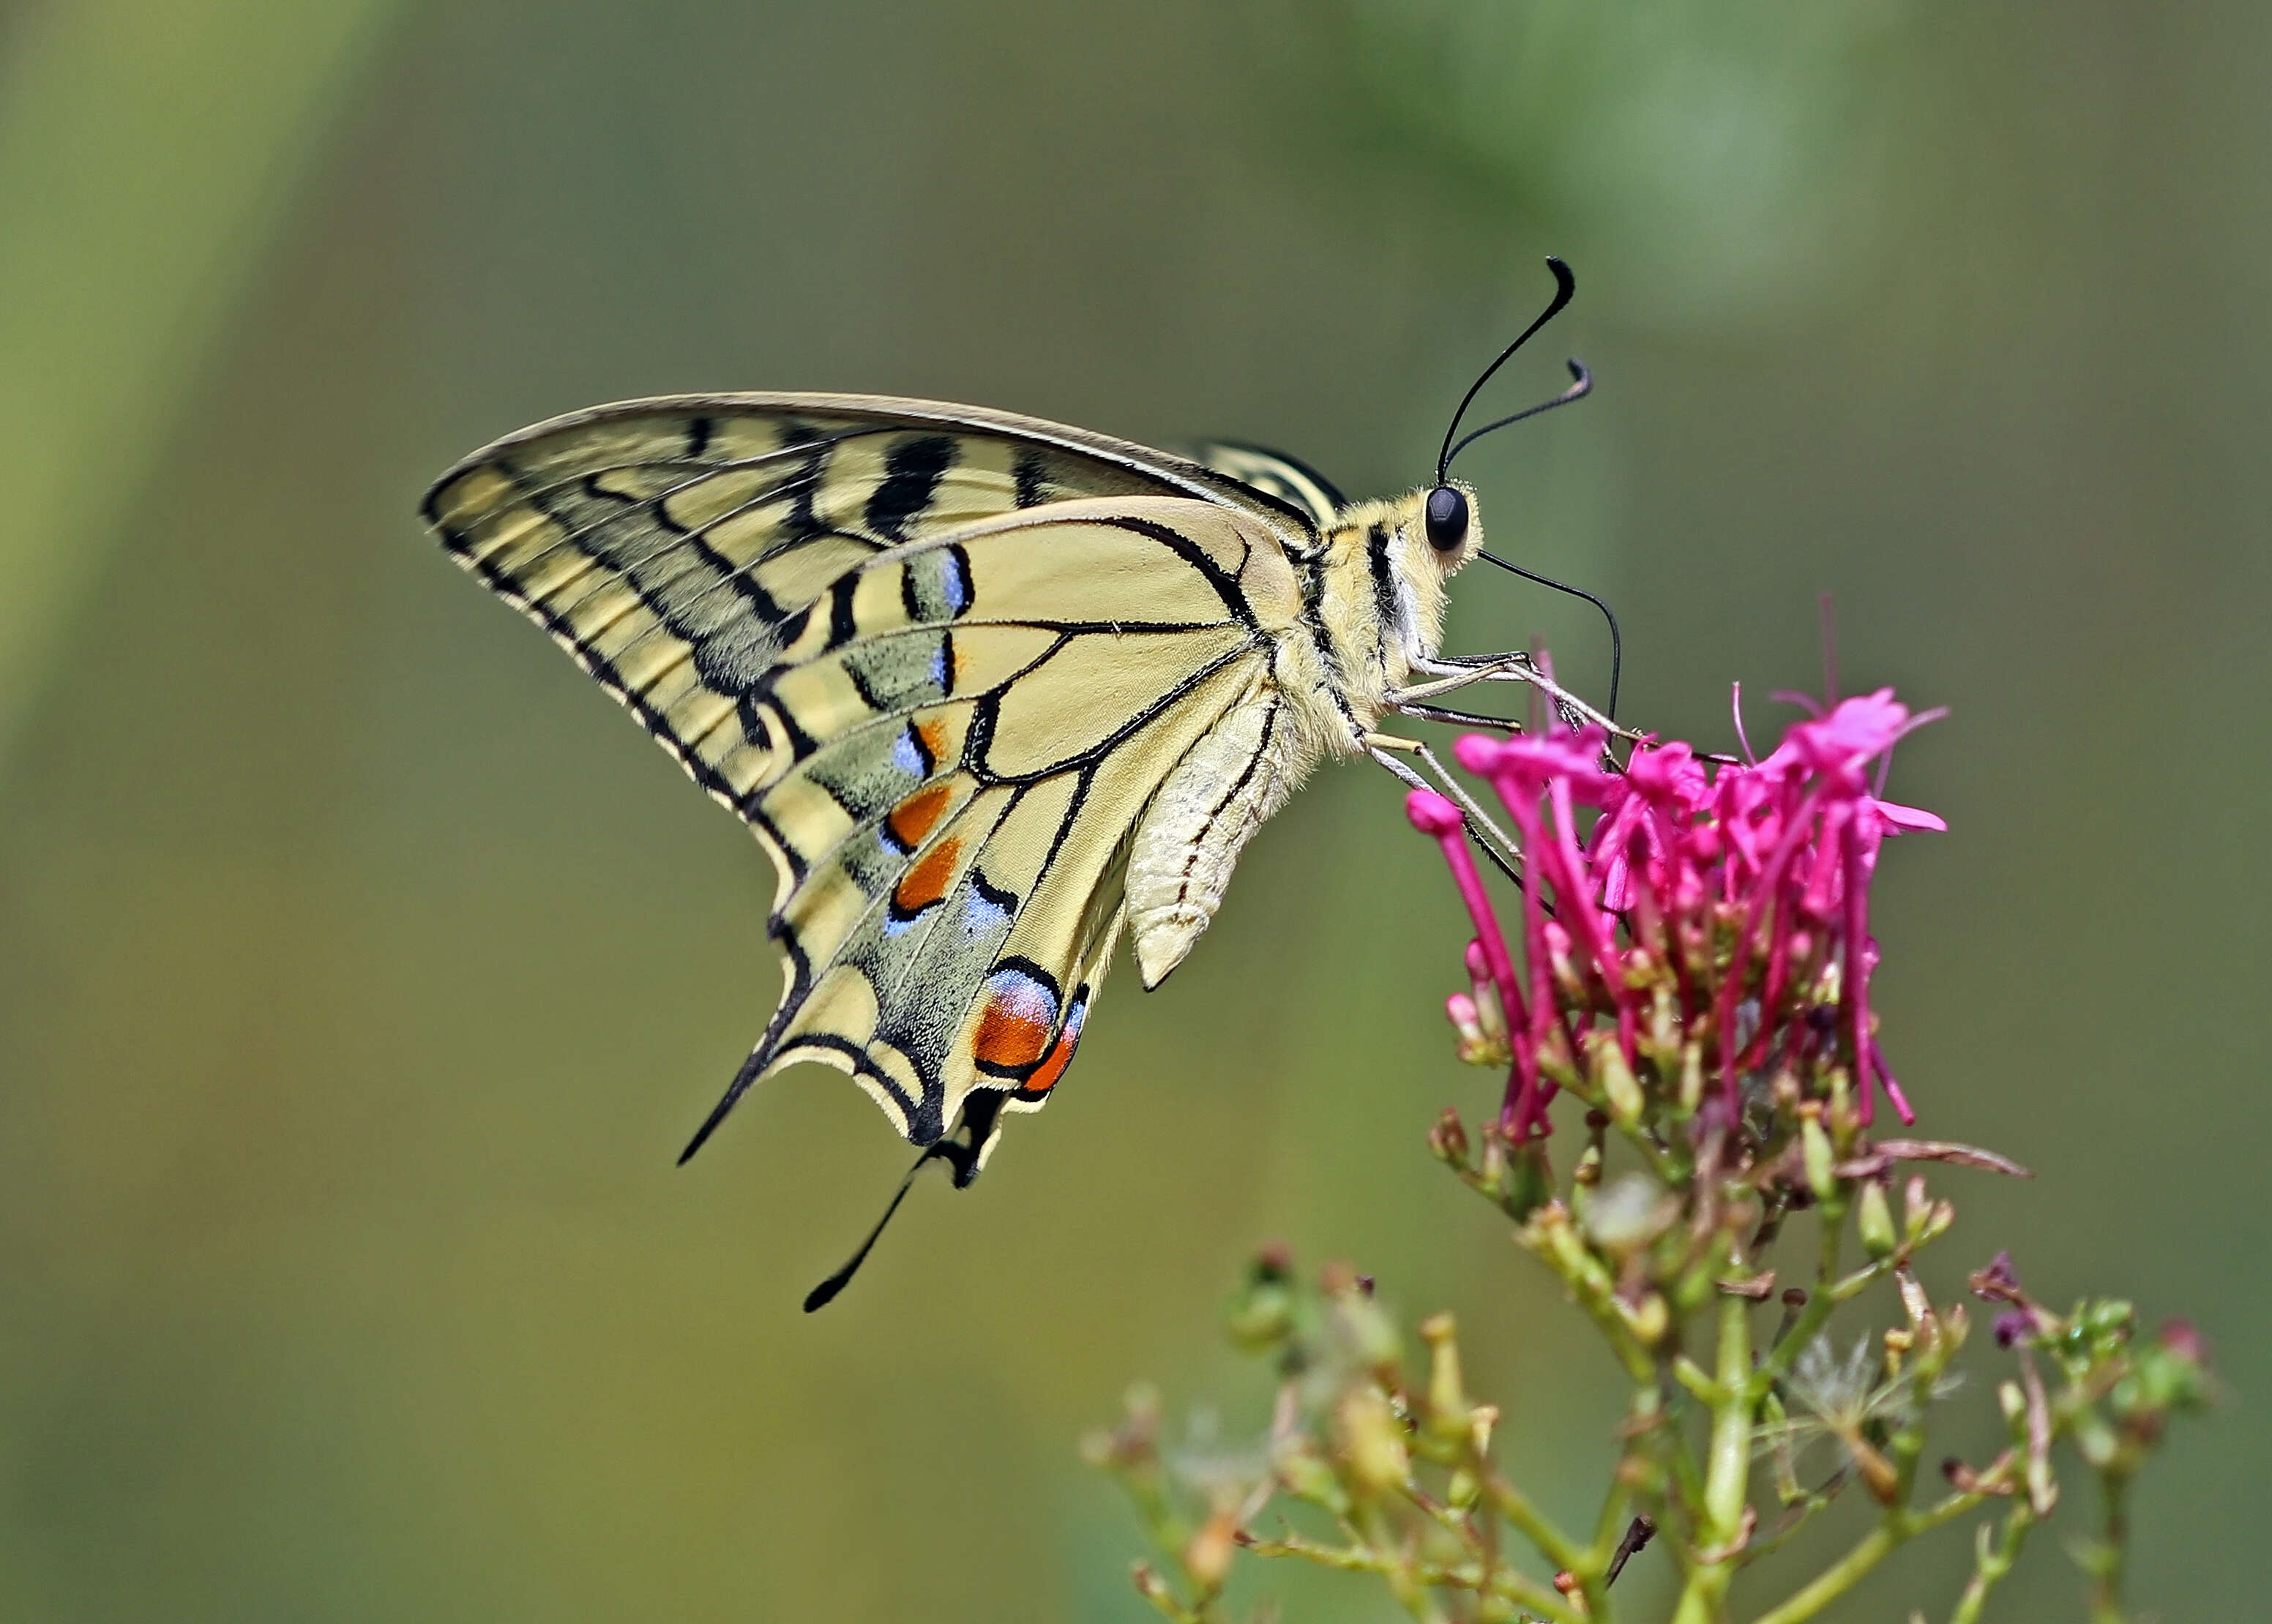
1009	1039
933	735
926	883
1046	1075
912	821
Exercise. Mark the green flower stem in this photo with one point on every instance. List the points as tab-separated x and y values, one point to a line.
1154	1589
1873	1547
2107	1560
1803	1511
1616	1505
1555	1545
1727	1473
1825	1297
1609	1532
1992	1559
1551	1237
1502	1583
1727	1468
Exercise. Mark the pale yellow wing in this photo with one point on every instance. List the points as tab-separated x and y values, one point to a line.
1278	475
970	728
663	543
939	658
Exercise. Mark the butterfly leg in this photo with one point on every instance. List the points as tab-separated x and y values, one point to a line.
1459	719
1497	844
1459	672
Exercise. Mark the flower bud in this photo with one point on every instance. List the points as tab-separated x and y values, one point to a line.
1617	1082
1649	1319
1480	1020
1916	1207
1449	1139
1493	1165
1691	1078
1208	1557
2183	1341
1371	1442
2170	1372
2107	1322
1308	1478
1821	1163
1448	1397
1261	1317
1874	1217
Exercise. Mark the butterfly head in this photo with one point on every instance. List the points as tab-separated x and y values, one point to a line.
1448	509
1446	517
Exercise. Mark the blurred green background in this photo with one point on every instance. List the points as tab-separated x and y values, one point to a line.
364	970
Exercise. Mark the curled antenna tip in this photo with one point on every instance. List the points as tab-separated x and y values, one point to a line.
1565	283
1582	387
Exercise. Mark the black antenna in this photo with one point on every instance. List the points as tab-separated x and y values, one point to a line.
1579	389
1616	641
1565	284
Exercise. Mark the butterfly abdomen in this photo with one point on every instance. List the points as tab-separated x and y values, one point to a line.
1207	809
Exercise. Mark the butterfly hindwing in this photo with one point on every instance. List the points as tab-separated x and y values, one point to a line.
952	838
1277	474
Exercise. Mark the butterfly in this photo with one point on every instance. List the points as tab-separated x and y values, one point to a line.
992	693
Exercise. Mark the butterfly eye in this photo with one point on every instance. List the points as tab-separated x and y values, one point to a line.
1447	518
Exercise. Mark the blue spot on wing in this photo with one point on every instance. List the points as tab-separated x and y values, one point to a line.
981	914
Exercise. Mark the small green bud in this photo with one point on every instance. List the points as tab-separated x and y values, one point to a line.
1530	1182
1617	1083
1821	1163
1663	1023
2109	1318
1916	1207
1649	1319
1371	1442
1448	1139
1843	1121
1308	1478
1494	1162
1874	1217
2161	1381
1260	1318
1448	1397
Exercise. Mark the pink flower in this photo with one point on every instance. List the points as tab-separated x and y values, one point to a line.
1732	897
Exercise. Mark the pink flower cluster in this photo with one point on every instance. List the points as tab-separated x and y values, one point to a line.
1694	913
